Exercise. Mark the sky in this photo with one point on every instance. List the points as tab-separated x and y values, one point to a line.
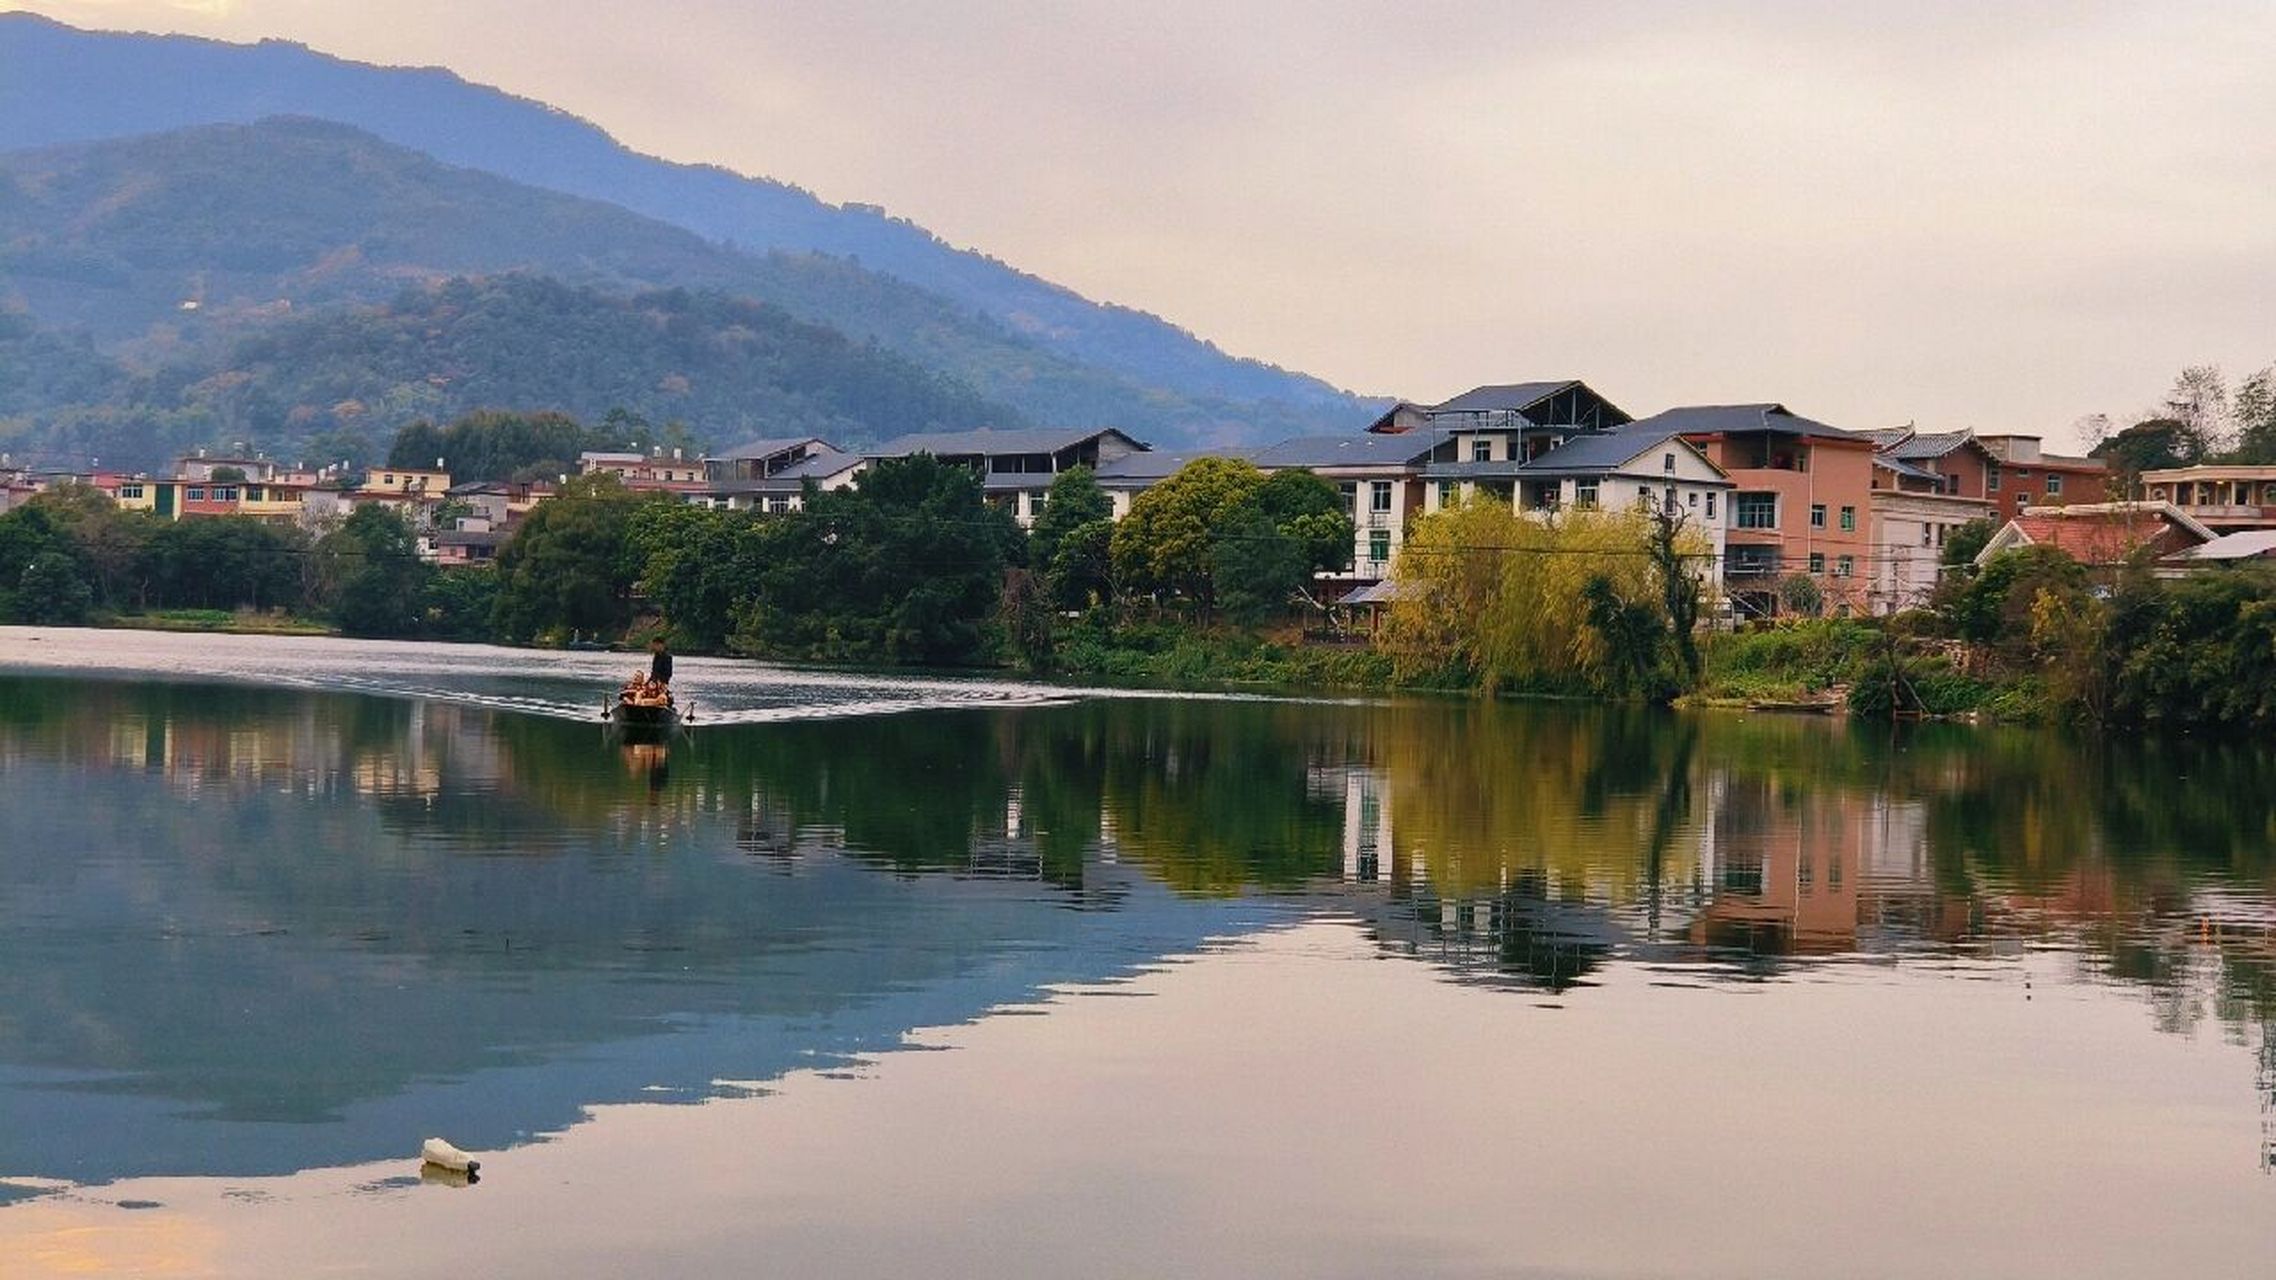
2003	216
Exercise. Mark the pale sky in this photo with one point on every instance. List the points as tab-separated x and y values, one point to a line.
1997	215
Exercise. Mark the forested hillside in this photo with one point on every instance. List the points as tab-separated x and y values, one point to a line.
176	249
339	382
67	85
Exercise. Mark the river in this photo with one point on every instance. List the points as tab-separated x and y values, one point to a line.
869	975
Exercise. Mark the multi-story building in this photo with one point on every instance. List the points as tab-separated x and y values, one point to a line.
651	472
2225	499
1016	466
1801	503
1920	495
2026	475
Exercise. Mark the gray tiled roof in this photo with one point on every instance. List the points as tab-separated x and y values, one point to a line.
1918	447
990	440
1350	451
754	450
1138	470
1713	419
1510	396
791	479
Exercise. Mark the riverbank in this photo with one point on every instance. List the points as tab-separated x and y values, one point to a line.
239	622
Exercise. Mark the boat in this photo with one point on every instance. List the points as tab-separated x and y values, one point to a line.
645	710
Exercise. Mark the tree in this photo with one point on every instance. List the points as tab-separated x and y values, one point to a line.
1221	531
2153	444
1167	543
1673	556
2255	413
1026	612
1073	500
906	565
382	583
2200	402
569	569
1512	601
697	565
1080	573
1965	543
52	589
1995	607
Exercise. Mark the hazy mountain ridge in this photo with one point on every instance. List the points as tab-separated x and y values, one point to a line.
175	249
65	85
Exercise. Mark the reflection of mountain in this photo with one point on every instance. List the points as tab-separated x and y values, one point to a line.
215	959
246	929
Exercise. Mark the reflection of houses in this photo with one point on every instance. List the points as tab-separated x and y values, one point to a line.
1783	869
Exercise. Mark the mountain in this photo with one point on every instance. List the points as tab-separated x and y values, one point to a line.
168	248
340	381
60	84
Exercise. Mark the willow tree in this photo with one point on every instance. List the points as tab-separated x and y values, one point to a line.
1515	601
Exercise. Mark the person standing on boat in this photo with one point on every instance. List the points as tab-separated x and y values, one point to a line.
659	662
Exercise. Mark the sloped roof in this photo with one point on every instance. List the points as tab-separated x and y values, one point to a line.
1730	419
1602	450
1350	451
1917	448
1891	462
1515	397
816	466
991	440
755	450
2100	533
2248	545
1137	470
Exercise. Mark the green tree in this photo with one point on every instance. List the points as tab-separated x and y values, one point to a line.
382	582
905	565
570	567
1995	607
697	565
1167	543
53	589
2154	444
1080	572
1073	500
1800	593
1026	612
1310	510
1965	542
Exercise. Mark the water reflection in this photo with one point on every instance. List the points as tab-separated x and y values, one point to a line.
247	930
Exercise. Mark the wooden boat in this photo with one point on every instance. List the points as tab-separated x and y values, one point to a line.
646	710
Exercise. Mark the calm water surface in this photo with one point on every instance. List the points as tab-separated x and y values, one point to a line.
874	976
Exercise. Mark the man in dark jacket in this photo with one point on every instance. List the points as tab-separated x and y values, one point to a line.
659	662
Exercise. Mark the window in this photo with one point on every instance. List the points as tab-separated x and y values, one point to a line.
225	493
1350	498
1849	518
1667	462
1695	498
1446	493
1817	562
1379	545
1379	496
1643	497
1745	560
1481	450
1817	515
130	491
1755	510
1710	506
1584	494
1991	479
1927	533
1845	566
2054	484
195	493
1667	499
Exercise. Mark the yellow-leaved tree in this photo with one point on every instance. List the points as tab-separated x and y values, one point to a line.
1565	603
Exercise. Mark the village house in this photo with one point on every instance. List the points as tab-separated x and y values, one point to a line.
1801	501
2028	476
770	474
1016	466
2102	534
650	472
1919	497
2226	499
